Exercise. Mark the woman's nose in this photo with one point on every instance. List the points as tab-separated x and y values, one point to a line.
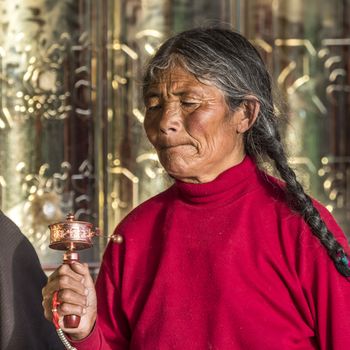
170	120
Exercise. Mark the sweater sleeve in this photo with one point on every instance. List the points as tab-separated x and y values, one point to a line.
111	330
326	290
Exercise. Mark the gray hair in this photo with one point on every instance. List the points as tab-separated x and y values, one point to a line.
231	63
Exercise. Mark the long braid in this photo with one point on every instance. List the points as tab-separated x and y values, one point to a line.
269	142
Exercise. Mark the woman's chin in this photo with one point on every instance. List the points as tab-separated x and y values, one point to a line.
180	173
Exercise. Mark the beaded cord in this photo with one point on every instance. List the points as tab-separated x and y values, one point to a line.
55	320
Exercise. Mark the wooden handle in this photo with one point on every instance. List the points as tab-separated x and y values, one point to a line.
71	321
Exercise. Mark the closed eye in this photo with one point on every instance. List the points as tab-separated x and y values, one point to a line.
189	103
154	107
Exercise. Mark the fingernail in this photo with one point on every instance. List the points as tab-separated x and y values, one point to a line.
84	310
86	291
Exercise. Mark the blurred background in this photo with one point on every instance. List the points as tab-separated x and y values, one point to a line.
71	135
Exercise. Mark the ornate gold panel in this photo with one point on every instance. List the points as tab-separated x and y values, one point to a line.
46	128
307	47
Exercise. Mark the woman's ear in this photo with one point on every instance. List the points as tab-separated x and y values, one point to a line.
249	112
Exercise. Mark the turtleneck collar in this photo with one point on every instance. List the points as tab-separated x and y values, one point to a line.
231	184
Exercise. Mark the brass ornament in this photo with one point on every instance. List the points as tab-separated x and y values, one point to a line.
117	238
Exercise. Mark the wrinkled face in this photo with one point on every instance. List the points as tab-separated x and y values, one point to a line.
190	125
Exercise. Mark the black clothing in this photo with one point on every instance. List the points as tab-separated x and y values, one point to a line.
22	322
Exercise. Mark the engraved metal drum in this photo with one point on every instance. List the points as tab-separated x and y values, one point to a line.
72	235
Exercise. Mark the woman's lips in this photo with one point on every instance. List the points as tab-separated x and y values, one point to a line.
165	147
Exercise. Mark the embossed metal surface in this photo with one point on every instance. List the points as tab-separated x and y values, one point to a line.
307	47
71	234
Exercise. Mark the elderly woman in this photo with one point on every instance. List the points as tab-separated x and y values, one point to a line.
228	257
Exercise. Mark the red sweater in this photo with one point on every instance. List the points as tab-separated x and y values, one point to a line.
224	265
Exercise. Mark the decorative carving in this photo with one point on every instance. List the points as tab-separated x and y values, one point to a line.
45	113
335	174
310	62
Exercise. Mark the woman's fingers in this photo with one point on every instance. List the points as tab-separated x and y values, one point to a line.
68	296
76	308
82	270
66	270
88	283
76	296
72	291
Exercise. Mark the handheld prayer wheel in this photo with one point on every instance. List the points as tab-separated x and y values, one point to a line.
71	235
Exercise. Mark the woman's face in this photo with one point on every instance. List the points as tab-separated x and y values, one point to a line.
190	125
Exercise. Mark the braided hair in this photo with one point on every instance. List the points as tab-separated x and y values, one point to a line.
232	64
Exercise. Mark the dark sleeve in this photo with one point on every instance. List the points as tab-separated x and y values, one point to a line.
22	321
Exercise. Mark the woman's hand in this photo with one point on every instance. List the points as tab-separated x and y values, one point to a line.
76	296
